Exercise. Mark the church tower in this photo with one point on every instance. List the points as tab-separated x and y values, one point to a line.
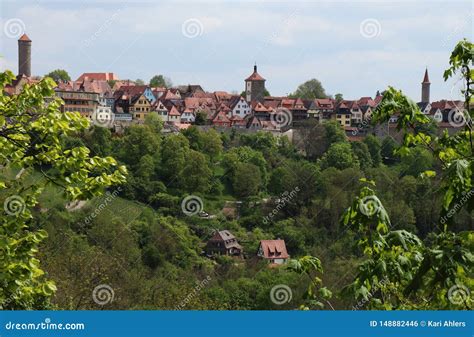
425	88
254	87
24	55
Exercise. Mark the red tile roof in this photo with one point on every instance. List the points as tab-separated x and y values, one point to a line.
24	37
255	76
98	76
274	249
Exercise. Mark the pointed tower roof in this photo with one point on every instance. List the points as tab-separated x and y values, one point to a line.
426	79
25	38
255	76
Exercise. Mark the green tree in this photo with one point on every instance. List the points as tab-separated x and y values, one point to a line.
196	174
160	81
30	137
409	273
139	81
340	156
387	151
98	140
416	162
338	97
246	180
311	89
174	154
361	151
59	75
375	148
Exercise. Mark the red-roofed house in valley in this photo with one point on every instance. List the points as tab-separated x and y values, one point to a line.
274	251
223	243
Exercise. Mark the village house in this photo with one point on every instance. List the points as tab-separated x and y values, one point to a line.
223	243
76	99
343	113
221	120
173	115
103	96
134	99
239	107
274	251
161	110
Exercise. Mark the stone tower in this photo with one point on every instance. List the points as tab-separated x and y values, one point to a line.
24	55
254	87
425	88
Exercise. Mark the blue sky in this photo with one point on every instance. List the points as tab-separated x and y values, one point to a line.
354	48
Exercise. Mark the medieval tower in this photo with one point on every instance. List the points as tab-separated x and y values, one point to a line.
24	55
254	86
425	88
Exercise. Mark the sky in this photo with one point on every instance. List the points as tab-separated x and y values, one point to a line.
352	47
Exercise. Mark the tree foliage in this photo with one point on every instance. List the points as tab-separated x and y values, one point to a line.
31	133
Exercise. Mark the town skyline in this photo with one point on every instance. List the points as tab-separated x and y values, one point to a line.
208	60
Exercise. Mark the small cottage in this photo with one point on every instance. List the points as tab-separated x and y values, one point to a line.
223	243
274	251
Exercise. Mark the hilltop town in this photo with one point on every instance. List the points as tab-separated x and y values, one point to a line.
114	103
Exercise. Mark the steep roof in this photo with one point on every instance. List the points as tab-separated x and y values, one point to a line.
25	38
426	78
255	75
174	111
274	249
227	238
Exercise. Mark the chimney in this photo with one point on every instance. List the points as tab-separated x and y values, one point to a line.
24	55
